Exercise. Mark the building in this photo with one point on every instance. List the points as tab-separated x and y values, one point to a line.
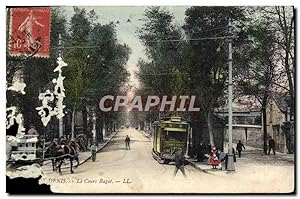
246	119
279	123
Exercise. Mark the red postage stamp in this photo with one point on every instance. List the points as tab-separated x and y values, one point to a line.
30	31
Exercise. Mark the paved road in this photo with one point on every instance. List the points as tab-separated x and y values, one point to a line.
118	170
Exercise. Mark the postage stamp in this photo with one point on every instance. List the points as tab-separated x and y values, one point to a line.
29	31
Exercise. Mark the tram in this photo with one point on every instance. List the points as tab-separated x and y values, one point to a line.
169	134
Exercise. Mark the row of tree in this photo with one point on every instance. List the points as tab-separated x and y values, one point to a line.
192	59
96	67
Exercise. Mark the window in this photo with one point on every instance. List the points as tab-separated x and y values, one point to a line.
173	135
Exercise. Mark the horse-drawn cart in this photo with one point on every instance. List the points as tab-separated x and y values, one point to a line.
26	151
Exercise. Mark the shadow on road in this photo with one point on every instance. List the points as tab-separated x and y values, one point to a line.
115	144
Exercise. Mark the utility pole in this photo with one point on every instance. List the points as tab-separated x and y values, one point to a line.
60	121
230	165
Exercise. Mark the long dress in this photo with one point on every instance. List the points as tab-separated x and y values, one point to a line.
214	161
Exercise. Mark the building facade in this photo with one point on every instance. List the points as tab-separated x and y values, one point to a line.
279	122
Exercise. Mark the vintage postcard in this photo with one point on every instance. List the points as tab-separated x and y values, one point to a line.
150	99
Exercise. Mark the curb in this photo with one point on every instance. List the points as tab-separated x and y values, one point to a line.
145	134
98	149
196	167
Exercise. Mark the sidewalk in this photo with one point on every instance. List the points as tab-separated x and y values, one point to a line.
145	134
83	156
251	156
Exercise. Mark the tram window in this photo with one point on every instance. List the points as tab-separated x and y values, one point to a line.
173	135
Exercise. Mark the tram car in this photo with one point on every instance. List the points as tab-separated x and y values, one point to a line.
169	134
25	151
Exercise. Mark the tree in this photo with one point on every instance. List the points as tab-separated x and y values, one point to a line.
163	72
263	60
96	71
285	23
207	65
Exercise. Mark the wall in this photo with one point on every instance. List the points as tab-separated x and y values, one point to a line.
254	136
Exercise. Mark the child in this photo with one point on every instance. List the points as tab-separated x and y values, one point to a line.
214	160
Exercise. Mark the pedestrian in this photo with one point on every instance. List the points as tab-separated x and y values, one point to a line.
222	157
271	145
213	158
94	151
239	148
32	131
127	142
179	162
200	152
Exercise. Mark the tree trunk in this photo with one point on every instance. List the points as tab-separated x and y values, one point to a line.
290	81
84	121
210	129
73	122
265	133
98	130
101	126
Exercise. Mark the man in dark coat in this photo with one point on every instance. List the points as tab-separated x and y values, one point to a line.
127	142
271	145
179	162
239	148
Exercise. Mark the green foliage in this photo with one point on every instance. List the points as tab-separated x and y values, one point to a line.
96	61
258	62
163	74
208	65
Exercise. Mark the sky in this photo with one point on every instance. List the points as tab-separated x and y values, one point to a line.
126	31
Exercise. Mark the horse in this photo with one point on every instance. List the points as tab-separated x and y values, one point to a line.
64	150
82	142
53	153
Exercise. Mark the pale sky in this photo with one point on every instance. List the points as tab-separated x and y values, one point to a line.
126	31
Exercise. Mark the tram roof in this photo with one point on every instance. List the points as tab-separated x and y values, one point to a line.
171	120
